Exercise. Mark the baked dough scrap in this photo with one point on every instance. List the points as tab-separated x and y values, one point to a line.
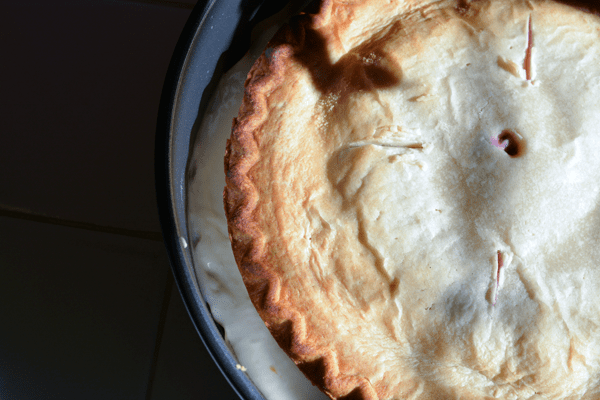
412	198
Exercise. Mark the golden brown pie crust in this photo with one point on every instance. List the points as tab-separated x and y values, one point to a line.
293	218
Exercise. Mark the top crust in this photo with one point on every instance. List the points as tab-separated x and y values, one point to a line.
392	246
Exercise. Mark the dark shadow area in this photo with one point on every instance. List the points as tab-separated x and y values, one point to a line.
363	68
353	395
590	6
316	370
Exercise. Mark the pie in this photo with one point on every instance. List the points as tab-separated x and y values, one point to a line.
412	195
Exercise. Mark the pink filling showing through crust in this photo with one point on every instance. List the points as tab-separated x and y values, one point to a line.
527	62
498	143
500	265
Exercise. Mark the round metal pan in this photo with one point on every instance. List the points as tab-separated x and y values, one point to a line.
214	38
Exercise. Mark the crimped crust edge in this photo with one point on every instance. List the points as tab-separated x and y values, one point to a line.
240	197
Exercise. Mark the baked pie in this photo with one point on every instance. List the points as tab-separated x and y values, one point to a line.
413	198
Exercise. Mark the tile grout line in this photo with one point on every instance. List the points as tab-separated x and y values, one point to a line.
159	334
31	216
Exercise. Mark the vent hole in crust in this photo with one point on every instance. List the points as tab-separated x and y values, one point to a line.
511	142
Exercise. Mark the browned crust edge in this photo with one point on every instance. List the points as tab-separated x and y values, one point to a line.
240	197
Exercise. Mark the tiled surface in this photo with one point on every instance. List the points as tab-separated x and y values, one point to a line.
94	315
185	370
81	83
80	312
88	309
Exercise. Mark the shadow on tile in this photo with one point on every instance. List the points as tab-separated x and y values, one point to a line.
184	369
79	312
80	96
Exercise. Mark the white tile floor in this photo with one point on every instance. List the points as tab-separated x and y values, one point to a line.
88	308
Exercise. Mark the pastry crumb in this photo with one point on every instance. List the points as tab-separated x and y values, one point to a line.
240	367
509	66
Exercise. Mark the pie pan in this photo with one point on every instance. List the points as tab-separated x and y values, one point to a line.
214	38
212	41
